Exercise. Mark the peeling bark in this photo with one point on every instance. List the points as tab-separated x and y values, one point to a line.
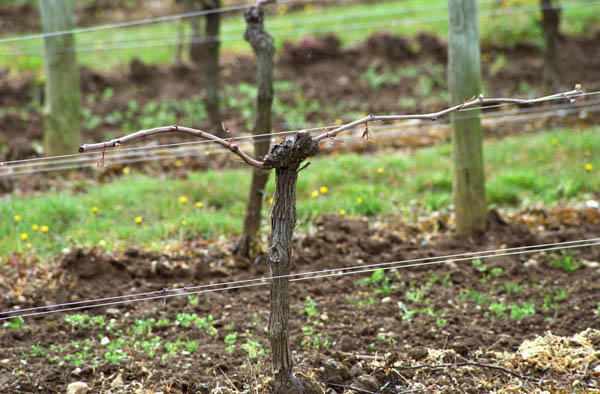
286	159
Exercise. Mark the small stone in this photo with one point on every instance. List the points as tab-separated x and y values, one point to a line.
592	204
386	300
367	382
77	388
113	311
105	341
324	316
591	264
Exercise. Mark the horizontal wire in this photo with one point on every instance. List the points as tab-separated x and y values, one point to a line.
337	272
131	23
396	129
150	147
300	274
20	163
214	11
175	40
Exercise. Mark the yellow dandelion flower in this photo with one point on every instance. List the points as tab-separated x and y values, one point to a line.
380	170
17	218
554	141
126	170
338	122
178	163
45	229
24	236
94	209
183	199
342	212
271	201
138	219
323	189
589	166
199	204
359	200
35	227
308	8
281	9
314	194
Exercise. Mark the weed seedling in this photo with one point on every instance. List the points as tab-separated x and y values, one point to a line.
310	309
207	323
191	346
513	287
253	348
144	327
15	324
37	351
76	320
98	320
498	308
521	312
230	340
185	319
193	300
566	261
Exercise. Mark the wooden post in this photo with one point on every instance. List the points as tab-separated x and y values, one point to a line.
213	23
61	106
550	26
464	80
264	48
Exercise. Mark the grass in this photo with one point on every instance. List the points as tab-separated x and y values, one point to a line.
515	22
550	168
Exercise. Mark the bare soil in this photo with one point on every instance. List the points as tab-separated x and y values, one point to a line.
365	337
323	71
450	340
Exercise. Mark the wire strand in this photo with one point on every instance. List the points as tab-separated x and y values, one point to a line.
192	14
352	270
20	163
378	131
287	32
194	151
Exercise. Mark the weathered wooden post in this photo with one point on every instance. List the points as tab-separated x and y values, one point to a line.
264	48
464	80
550	26
61	98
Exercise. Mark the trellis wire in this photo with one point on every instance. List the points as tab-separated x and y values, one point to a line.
198	152
54	159
193	151
207	12
174	40
335	272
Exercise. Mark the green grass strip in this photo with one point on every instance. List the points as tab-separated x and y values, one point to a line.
516	22
550	168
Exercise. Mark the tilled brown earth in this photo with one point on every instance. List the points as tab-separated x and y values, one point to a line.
522	322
